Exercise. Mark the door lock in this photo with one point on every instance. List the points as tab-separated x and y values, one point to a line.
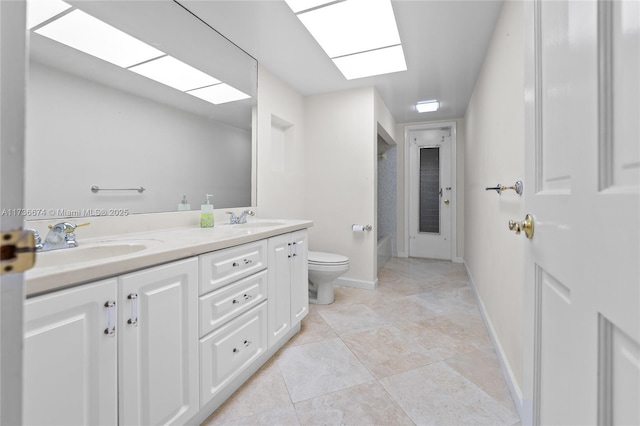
526	225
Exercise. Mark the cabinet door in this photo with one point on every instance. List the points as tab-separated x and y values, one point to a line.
299	277
158	344
69	361
228	351
279	299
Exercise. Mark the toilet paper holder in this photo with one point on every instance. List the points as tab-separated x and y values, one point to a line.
361	228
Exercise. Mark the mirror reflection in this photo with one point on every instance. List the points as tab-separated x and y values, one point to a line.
173	115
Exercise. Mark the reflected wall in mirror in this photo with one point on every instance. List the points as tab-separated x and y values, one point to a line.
92	122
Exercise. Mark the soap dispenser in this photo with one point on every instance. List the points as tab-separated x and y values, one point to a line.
206	213
184	205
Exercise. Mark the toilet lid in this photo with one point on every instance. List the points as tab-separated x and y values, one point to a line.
320	258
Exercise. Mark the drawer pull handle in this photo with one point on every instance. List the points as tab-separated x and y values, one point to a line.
246	344
235	264
248	261
134	309
111	318
245	297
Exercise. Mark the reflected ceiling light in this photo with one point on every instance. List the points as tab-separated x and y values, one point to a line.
373	62
87	34
39	11
174	73
428	106
219	94
90	35
301	5
349	27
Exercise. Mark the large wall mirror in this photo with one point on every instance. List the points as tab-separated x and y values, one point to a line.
124	95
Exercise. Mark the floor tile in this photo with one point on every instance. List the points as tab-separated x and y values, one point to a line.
386	351
438	395
366	404
483	369
313	329
284	416
318	368
352	318
264	391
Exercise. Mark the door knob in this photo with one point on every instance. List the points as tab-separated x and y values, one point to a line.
526	225
446	202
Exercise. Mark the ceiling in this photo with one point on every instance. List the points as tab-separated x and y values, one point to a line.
444	43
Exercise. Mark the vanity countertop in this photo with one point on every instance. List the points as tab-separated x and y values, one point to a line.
149	248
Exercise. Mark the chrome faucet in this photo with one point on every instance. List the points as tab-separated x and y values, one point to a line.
234	220
60	236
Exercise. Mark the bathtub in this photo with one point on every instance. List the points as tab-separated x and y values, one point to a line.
384	251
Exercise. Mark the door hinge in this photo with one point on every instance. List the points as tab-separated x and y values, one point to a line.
17	251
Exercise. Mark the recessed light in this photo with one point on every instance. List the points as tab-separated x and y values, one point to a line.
219	94
175	73
374	62
90	35
428	106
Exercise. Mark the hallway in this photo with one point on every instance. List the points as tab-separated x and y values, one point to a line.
415	351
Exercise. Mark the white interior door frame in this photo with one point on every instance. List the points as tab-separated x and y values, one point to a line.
454	183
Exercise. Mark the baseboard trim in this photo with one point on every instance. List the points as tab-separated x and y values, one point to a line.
350	282
507	372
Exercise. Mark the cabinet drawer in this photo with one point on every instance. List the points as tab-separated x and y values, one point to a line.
221	305
226	352
225	266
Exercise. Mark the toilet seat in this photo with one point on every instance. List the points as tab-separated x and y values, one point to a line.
318	258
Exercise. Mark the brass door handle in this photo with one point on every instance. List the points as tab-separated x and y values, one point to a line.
446	202
526	225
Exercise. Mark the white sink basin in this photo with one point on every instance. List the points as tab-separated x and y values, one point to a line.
88	253
257	224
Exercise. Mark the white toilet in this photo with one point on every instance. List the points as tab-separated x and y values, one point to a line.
324	269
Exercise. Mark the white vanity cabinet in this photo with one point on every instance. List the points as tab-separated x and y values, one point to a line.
158	344
70	357
288	283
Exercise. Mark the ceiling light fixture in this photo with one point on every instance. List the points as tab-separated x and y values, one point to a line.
354	32
428	106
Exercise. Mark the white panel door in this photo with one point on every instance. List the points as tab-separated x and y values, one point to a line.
158	344
430	199
70	362
12	118
299	277
279	300
582	286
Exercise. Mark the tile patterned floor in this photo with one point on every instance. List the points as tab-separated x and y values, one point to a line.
413	352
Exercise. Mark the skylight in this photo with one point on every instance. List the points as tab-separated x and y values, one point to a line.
354	32
373	62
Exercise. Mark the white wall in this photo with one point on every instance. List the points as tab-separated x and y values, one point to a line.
341	157
281	182
458	182
494	153
81	133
